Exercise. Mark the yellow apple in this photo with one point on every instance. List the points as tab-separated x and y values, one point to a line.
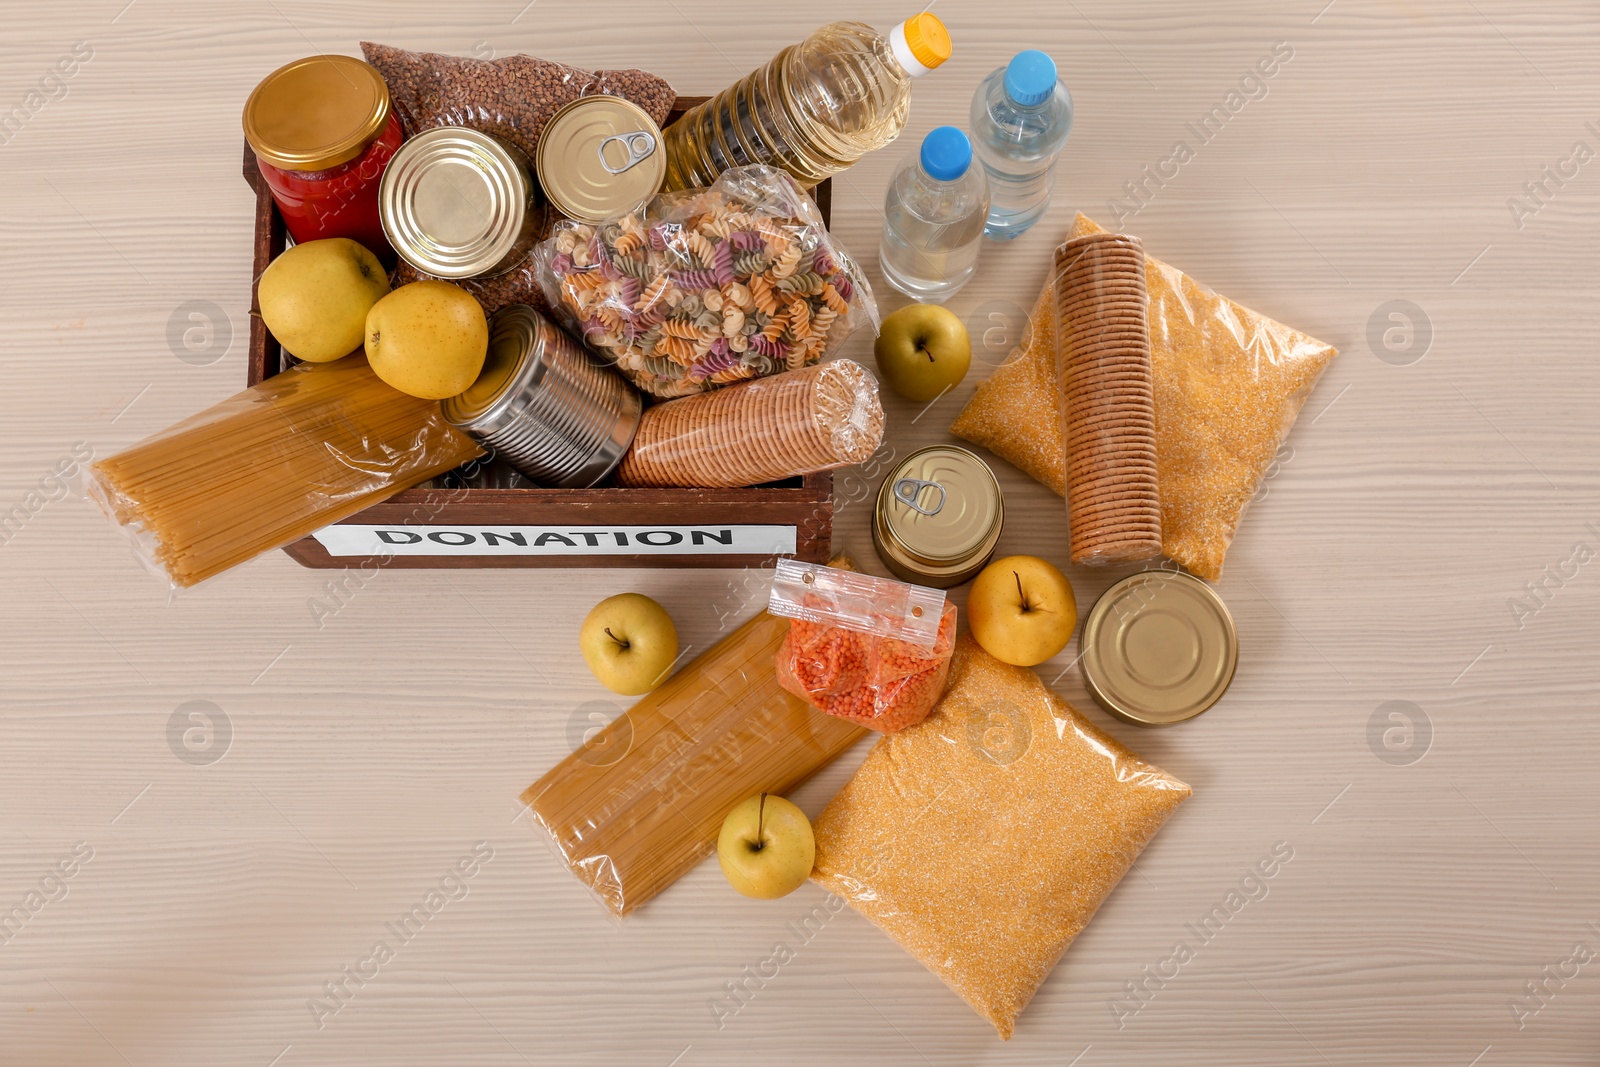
315	297
629	642
766	848
1021	610
923	351
428	339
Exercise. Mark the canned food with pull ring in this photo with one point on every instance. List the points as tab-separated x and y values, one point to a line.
938	517
600	156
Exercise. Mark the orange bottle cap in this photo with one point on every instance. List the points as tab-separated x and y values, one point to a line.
928	39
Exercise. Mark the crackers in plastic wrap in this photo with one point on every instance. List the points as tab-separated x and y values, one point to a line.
1229	383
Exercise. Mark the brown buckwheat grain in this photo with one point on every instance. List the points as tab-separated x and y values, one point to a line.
512	97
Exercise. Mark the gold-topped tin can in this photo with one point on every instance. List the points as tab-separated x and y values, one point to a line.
459	203
600	156
938	516
1158	647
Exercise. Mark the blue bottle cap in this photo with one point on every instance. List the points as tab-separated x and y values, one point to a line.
946	153
1030	77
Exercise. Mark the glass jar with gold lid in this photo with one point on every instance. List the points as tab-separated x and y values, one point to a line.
323	131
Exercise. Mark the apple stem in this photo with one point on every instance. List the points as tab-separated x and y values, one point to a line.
624	644
1026	607
761	815
925	351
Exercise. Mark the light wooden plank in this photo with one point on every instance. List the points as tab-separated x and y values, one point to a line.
372	751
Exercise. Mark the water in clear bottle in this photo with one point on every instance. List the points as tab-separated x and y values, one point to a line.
814	108
1021	116
933	217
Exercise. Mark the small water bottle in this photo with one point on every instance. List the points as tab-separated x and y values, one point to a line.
933	216
1021	116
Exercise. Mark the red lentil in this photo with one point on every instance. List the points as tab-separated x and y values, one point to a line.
879	682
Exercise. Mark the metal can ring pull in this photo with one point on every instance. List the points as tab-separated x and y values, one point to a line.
909	490
639	145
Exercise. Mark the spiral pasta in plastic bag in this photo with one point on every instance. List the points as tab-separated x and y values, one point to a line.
707	287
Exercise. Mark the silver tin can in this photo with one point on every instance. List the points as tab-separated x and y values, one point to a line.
545	405
457	203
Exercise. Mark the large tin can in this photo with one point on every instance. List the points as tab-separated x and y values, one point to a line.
545	405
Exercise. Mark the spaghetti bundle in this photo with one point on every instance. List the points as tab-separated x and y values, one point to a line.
267	466
641	802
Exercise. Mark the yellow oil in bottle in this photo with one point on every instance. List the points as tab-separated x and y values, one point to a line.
813	109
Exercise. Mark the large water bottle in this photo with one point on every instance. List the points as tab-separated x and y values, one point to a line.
933	218
1021	116
814	108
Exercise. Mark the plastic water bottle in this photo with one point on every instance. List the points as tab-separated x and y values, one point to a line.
814	108
933	217
1021	116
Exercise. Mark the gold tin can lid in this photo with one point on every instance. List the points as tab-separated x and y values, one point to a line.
600	156
938	516
456	202
1158	647
316	112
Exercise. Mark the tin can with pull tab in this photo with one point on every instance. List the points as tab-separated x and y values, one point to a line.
600	156
938	517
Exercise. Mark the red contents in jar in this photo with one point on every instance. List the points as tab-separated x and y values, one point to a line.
879	682
341	201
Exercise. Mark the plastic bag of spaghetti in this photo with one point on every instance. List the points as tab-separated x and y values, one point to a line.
512	97
641	801
269	465
867	649
708	286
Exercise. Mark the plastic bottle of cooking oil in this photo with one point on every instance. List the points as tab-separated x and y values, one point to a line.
933	215
814	108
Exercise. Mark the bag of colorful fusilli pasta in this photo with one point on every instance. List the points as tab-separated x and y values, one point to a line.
707	287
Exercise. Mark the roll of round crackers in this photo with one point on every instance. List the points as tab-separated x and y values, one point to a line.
813	419
1107	399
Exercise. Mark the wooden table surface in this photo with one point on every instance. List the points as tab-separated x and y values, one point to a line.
1442	901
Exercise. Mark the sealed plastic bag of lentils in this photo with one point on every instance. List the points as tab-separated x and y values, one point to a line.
871	650
707	287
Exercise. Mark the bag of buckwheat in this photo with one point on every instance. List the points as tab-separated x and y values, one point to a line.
512	97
